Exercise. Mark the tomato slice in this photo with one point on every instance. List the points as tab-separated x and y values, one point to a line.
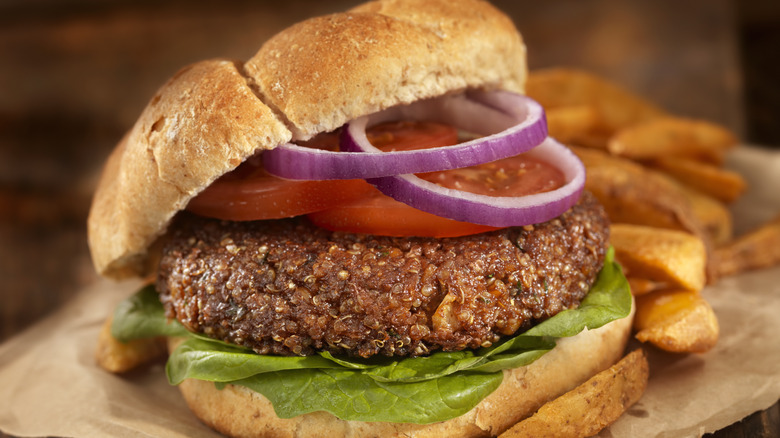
382	215
256	195
379	214
250	193
520	175
409	135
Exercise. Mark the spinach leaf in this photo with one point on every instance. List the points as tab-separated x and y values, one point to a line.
142	316
217	361
350	394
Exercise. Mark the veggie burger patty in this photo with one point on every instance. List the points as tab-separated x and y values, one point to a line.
286	287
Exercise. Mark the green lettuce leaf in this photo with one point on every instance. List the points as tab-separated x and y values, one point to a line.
142	316
217	361
419	390
354	395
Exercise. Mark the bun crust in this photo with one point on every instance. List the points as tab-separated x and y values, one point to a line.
328	70
310	78
204	122
240	412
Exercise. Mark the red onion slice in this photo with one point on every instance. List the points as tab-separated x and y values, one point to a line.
511	123
492	210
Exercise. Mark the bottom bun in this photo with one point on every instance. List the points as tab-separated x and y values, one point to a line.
239	412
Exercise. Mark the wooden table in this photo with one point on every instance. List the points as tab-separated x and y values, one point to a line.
75	74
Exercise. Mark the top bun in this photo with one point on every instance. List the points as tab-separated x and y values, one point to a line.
312	77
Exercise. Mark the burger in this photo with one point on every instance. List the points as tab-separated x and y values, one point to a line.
363	230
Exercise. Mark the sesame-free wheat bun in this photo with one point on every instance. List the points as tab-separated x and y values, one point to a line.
301	293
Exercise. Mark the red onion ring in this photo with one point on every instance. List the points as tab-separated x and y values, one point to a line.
511	123
497	211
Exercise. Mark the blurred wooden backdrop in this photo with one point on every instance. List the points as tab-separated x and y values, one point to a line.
75	74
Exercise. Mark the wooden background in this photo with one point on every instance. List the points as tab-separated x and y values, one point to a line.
75	74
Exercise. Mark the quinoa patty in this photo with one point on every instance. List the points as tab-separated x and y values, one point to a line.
287	287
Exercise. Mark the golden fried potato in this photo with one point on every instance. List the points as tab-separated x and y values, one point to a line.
758	249
673	137
592	406
576	124
674	258
712	214
641	286
633	194
712	180
118	357
616	106
676	321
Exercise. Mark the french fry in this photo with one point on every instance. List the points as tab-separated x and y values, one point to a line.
759	248
672	137
676	321
590	407
616	106
671	257
118	357
712	180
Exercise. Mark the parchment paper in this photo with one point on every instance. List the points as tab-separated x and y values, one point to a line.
50	385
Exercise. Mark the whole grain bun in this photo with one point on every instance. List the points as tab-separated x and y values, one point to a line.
239	412
312	77
203	123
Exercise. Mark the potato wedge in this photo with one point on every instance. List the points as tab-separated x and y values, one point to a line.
712	214
757	249
675	258
576	124
673	137
676	321
616	106
641	286
633	194
712	180
590	407
118	357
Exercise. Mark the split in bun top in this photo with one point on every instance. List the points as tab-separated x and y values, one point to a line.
312	77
